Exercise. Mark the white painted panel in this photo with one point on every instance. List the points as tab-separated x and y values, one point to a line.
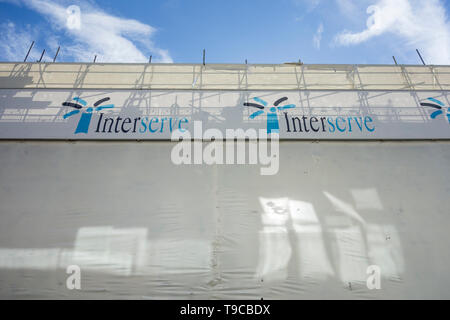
154	115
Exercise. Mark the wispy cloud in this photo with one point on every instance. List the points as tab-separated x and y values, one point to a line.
14	44
422	24
351	9
310	5
111	38
317	38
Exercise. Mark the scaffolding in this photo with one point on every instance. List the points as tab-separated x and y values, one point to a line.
289	76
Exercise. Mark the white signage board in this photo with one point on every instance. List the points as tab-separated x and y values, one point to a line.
156	114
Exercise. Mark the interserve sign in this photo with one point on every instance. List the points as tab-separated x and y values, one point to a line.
156	115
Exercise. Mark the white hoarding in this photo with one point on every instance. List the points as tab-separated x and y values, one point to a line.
155	114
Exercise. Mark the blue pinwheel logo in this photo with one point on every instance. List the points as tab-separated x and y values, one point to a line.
272	116
438	105
80	105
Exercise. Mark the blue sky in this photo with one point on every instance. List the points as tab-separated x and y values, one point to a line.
263	31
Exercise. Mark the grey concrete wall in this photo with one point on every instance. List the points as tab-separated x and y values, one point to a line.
141	227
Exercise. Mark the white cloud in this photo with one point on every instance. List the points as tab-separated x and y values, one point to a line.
318	36
14	44
310	4
421	24
349	8
111	38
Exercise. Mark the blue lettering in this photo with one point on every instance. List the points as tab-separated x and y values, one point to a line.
337	124
349	124
368	119
329	120
144	126
359	124
150	128
185	120
162	123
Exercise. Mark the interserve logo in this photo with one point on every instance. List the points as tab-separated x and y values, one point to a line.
80	106
272	116
438	105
